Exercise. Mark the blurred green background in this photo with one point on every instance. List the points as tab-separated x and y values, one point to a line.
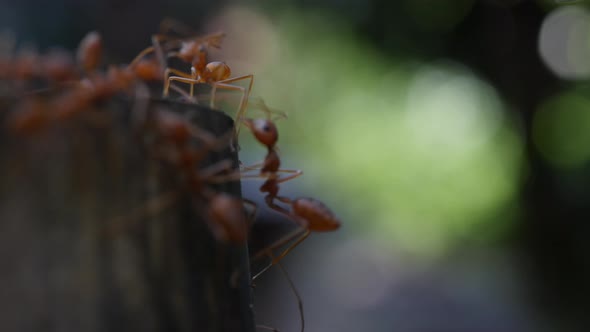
451	137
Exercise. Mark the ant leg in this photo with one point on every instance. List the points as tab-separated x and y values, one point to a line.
213	143
226	87
156	47
273	175
184	94
239	175
231	88
291	247
177	72
178	79
159	53
251	215
243	101
235	176
269	199
295	173
302	233
213	169
180	74
141	54
253	166
295	292
194	77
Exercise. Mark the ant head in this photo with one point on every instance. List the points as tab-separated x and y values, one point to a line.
187	51
90	51
264	130
217	71
199	60
318	216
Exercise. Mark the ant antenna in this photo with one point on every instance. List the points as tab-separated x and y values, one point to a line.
259	103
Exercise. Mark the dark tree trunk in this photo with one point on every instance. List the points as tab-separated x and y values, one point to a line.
66	265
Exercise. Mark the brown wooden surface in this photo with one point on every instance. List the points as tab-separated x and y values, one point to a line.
60	270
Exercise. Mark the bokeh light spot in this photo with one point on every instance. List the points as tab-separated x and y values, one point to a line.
564	42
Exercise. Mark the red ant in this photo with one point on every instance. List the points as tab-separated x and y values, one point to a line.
224	213
309	213
194	51
218	75
96	86
266	132
55	66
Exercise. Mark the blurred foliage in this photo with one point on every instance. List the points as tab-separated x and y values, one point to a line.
562	129
416	153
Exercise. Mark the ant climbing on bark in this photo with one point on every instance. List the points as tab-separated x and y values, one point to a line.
224	213
172	139
57	65
266	133
308	213
79	94
194	50
215	73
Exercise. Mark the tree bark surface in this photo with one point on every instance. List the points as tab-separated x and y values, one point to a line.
63	268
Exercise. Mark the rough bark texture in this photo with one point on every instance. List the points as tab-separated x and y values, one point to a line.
62	266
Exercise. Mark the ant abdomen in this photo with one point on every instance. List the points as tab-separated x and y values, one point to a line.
319	217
